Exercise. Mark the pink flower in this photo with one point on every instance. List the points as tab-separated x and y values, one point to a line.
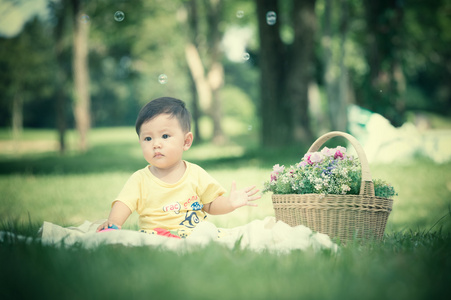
338	154
307	158
276	170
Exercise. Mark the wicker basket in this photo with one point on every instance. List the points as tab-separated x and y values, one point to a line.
346	217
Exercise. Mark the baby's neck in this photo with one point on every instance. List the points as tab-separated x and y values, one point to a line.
169	175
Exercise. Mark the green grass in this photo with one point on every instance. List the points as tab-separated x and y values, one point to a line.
37	184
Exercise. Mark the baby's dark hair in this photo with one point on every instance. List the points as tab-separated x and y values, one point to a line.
164	105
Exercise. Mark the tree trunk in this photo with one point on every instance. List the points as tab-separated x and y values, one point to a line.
385	82
17	115
61	109
335	75
329	74
61	77
208	84
193	32
82	99
216	81
216	70
343	99
198	74
275	109
286	74
302	66
195	111
319	119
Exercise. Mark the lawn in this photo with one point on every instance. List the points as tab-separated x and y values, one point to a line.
37	184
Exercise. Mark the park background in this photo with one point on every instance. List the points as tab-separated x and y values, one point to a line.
263	80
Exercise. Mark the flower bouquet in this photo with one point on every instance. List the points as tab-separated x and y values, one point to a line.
332	192
330	171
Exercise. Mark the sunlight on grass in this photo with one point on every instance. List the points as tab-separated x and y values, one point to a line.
31	140
66	200
210	151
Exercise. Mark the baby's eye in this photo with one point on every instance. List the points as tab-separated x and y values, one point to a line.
147	138
165	136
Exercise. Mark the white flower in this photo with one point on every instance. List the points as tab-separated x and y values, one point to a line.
344	171
285	179
278	169
341	149
327	152
317	180
345	188
316	157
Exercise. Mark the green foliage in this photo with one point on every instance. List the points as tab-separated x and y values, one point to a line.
27	76
383	189
126	58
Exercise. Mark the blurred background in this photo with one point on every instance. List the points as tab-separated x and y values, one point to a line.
276	72
263	79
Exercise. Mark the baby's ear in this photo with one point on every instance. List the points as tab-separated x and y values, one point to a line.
188	141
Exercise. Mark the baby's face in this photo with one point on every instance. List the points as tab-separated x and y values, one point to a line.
163	141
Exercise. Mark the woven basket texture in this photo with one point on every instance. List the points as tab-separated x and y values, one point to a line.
346	217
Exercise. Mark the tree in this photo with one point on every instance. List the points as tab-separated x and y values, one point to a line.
193	32
426	55
27	66
82	98
207	75
335	74
286	71
385	82
60	13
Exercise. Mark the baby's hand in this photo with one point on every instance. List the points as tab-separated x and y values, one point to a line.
243	197
106	225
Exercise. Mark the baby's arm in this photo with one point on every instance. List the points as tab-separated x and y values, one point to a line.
118	215
236	199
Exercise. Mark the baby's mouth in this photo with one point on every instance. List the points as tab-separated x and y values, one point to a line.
158	154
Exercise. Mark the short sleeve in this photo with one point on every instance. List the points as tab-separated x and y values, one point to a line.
130	194
210	189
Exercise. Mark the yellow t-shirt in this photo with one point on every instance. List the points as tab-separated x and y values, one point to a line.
175	207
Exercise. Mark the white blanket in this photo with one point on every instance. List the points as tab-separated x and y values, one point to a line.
259	235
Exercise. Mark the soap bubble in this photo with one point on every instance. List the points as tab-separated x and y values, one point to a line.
240	14
84	19
163	79
246	56
271	18
249	127
119	16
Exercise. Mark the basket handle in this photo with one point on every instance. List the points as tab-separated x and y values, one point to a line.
367	186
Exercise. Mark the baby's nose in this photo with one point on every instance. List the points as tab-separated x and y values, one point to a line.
156	144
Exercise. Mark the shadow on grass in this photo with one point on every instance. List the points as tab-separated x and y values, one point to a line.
98	159
127	158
